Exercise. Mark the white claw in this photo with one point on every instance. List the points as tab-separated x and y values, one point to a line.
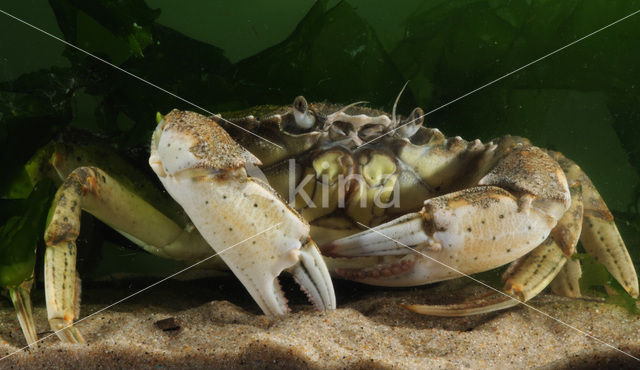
391	238
312	276
254	231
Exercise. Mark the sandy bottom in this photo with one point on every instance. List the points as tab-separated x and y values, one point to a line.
220	326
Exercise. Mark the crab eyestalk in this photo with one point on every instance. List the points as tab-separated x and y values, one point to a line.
409	127
255	232
303	117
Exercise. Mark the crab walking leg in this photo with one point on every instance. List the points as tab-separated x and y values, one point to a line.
602	240
203	169
532	274
600	236
93	190
567	282
529	275
22	303
511	211
478	306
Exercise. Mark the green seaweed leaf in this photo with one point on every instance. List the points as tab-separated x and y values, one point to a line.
332	54
118	29
20	234
33	108
621	297
595	278
191	69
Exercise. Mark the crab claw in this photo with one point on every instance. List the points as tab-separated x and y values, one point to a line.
252	229
311	273
304	263
394	244
392	238
456	234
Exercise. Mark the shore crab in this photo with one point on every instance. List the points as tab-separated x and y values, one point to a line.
390	202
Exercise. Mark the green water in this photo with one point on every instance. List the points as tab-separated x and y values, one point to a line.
583	101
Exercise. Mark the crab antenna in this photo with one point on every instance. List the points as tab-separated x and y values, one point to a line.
395	104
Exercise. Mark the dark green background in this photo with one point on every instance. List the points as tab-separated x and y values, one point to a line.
227	55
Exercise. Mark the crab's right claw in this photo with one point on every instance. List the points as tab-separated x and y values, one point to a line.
258	266
255	232
312	275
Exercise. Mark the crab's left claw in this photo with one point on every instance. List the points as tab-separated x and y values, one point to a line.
465	232
255	232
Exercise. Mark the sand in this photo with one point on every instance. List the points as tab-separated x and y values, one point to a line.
219	326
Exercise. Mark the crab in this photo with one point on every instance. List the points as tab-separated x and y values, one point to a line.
434	208
390	202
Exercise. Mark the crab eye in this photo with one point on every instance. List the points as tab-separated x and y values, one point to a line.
412	124
417	116
304	118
